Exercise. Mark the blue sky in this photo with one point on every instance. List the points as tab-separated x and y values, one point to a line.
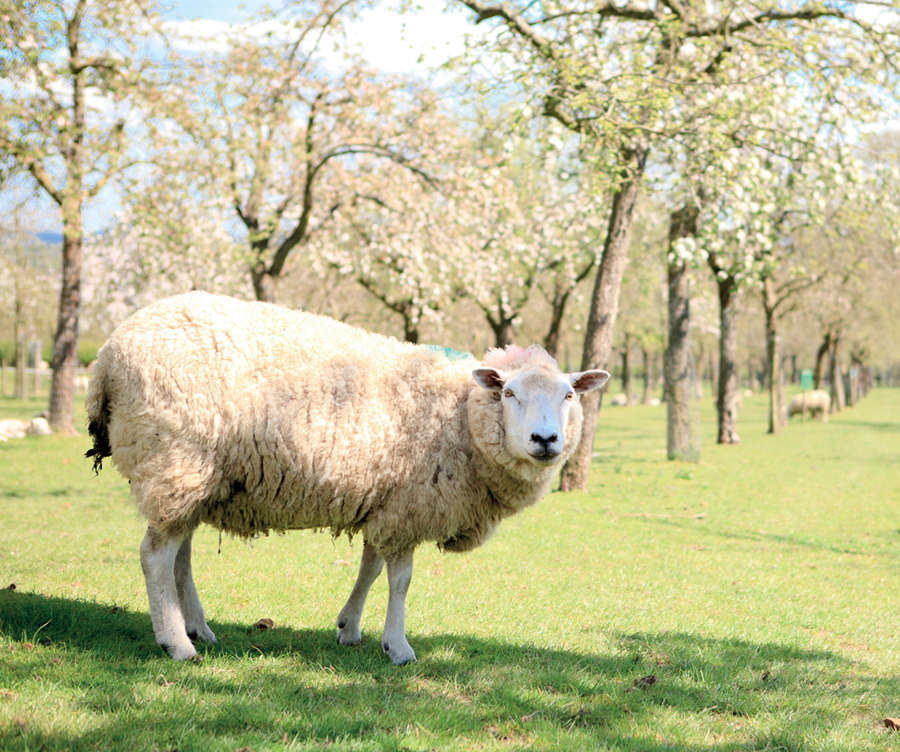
228	11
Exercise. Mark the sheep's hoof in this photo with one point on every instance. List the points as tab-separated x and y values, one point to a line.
347	635
186	653
401	655
204	634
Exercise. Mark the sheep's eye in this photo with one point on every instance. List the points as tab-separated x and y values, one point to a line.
507	393
570	395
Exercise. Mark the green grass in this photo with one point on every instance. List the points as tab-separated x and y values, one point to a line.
758	587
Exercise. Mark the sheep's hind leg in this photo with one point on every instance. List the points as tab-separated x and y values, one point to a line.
394	641
159	552
194	618
370	567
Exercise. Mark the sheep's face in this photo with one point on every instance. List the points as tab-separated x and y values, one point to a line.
535	406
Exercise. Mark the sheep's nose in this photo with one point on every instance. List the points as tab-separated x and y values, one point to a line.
544	441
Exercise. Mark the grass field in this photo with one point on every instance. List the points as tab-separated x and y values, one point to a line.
747	602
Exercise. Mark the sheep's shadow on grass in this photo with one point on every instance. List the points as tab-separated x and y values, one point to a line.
298	684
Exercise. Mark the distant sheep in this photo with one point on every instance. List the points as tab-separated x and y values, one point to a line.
252	418
19	429
816	402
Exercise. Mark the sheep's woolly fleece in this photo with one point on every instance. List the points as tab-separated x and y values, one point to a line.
19	429
252	417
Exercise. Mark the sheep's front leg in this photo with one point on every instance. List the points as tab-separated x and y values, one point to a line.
158	554
348	619
194	618
394	640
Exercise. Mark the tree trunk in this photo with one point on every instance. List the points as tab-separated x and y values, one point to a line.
626	369
726	399
779	392
265	285
21	360
698	371
837	377
551	340
773	358
65	343
648	375
821	354
410	330
676	366
71	200
504	331
604	308
561	295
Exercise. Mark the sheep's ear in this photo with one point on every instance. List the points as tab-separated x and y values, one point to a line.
490	378
587	381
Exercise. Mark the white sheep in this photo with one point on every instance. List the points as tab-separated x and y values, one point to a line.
19	429
251	417
816	402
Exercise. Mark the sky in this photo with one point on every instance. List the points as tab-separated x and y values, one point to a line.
390	41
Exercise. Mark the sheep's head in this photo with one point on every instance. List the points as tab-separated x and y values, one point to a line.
537	403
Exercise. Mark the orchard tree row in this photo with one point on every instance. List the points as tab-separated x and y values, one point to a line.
744	141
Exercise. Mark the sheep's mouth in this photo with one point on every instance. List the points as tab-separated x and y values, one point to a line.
544	456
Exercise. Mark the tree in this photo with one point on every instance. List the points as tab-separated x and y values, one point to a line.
621	76
681	442
61	121
777	301
282	137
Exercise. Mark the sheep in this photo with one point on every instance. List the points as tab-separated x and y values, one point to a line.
817	402
18	429
251	417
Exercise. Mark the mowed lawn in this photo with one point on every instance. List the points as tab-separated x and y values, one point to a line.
747	602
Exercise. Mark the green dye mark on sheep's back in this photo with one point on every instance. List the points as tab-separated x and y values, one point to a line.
450	353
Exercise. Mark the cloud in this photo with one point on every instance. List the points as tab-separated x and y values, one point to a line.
395	42
391	41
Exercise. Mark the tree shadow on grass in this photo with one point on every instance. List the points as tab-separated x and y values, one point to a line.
283	686
872	425
781	539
